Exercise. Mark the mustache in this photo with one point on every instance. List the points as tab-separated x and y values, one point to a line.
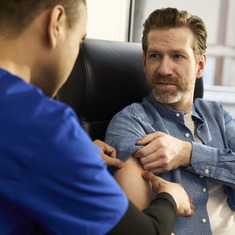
167	79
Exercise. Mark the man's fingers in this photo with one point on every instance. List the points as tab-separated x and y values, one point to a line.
149	138
146	139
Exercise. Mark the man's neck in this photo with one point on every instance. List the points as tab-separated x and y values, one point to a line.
14	58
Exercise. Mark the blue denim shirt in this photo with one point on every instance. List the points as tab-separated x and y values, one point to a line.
215	159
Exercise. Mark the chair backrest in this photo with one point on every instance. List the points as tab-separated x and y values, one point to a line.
107	76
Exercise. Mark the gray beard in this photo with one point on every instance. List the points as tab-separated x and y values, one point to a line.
169	99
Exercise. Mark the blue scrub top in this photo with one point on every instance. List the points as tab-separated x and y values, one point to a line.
52	178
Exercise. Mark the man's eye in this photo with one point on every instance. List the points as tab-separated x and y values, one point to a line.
154	55
178	56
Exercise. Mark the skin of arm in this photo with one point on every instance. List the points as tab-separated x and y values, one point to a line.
137	189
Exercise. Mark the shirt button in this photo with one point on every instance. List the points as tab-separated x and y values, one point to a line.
204	190
187	135
201	176
177	114
203	220
207	171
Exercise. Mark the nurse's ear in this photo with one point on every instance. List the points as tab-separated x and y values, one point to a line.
56	23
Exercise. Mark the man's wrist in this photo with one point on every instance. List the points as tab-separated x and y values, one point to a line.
187	153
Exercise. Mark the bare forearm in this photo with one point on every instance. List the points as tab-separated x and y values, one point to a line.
137	189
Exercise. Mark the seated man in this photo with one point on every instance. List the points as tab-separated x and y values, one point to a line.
192	143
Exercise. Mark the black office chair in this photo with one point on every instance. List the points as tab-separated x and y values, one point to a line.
107	76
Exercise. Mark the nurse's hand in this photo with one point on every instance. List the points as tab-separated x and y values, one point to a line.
185	206
108	153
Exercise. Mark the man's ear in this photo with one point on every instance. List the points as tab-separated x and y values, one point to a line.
56	24
201	65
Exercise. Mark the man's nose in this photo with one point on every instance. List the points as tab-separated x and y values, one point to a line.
165	67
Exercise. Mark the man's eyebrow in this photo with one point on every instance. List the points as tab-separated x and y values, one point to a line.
179	51
153	50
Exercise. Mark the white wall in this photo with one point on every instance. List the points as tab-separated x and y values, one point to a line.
231	19
108	19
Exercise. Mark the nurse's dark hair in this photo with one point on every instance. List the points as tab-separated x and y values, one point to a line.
16	15
174	18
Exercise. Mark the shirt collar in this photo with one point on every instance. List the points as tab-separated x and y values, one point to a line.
171	113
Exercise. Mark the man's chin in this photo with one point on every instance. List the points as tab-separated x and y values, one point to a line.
167	99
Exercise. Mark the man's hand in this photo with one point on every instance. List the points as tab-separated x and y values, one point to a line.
108	153
162	153
184	203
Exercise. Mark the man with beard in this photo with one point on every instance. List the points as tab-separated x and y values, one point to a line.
185	141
